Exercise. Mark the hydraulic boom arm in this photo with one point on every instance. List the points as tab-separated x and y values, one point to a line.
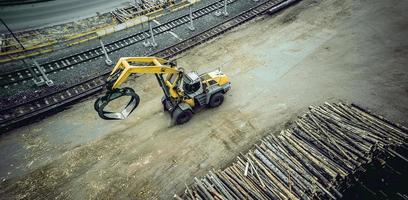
149	65
132	65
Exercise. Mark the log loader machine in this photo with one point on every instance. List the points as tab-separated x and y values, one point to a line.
185	93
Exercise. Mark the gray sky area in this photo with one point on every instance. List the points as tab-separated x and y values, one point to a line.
31	16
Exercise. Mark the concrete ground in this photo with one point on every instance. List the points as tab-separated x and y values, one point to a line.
316	51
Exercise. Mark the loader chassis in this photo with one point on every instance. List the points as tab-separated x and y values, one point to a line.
184	93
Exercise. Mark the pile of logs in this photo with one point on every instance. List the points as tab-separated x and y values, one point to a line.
138	8
309	160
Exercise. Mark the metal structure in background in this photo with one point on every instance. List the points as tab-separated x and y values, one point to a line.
190	8
108	61
43	79
153	42
224	11
146	41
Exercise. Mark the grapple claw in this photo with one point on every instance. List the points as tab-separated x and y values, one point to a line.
111	95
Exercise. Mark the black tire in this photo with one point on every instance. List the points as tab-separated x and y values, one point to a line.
182	116
216	100
164	104
164	107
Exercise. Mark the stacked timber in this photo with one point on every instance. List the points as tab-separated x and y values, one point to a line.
308	160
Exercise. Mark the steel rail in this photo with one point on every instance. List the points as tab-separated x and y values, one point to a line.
13	115
22	75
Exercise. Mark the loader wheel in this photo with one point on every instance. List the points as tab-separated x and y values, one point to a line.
164	104
182	116
216	100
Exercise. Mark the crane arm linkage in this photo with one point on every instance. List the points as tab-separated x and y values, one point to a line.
125	67
146	65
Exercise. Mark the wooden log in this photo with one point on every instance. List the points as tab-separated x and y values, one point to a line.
206	193
189	192
402	129
280	173
273	178
270	186
302	171
230	185
250	194
323	164
341	142
369	120
305	162
328	145
237	186
267	190
256	189
284	164
313	151
211	189
218	183
346	162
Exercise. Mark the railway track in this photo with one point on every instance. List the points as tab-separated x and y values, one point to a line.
21	76
12	116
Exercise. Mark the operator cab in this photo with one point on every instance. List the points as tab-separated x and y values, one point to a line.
192	84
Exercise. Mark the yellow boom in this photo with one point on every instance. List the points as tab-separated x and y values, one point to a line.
147	65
